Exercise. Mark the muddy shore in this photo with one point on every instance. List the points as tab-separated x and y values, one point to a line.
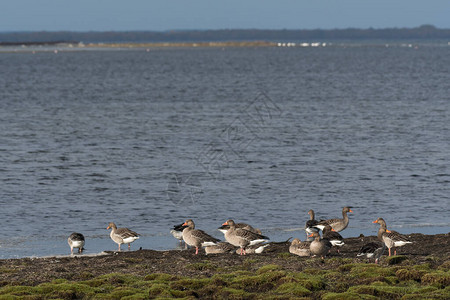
430	250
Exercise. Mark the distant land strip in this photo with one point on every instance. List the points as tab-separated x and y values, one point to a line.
226	35
185	44
145	45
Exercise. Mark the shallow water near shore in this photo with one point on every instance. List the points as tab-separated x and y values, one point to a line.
148	139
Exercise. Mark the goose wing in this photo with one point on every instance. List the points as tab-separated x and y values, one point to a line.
203	236
125	233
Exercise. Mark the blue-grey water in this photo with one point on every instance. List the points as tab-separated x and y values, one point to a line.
150	137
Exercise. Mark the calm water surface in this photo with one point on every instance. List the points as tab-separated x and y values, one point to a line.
149	138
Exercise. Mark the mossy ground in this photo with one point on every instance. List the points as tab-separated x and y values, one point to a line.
357	281
150	274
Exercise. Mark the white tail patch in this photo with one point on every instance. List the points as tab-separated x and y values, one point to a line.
130	239
401	243
368	255
77	244
256	242
204	244
261	248
337	243
321	227
311	229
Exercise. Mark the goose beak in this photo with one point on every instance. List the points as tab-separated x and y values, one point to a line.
184	224
107	227
350	210
376	221
226	223
310	235
388	231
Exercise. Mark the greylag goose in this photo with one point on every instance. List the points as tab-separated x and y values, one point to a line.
245	226
319	247
334	237
222	247
254	249
122	235
392	238
300	248
242	238
309	227
76	240
336	224
372	250
197	238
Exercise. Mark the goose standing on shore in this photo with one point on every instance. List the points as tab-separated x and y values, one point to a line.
122	235
242	238
336	224
334	237
197	238
300	248
319	247
390	238
311	223
76	240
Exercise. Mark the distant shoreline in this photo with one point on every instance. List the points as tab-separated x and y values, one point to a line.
143	45
424	32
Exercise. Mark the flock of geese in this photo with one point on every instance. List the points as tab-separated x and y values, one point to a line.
243	238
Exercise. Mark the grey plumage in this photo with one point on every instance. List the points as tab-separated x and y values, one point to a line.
122	235
242	238
197	238
76	240
336	224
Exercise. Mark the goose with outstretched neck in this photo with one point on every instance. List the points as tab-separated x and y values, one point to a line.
197	238
336	224
390	238
242	238
122	235
319	247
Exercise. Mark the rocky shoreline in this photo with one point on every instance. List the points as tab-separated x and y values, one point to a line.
432	251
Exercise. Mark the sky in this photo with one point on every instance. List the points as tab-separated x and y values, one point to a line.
163	15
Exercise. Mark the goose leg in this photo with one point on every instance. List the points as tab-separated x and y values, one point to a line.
196	250
129	246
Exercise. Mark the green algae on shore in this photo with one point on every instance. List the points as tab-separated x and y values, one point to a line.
421	272
354	281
